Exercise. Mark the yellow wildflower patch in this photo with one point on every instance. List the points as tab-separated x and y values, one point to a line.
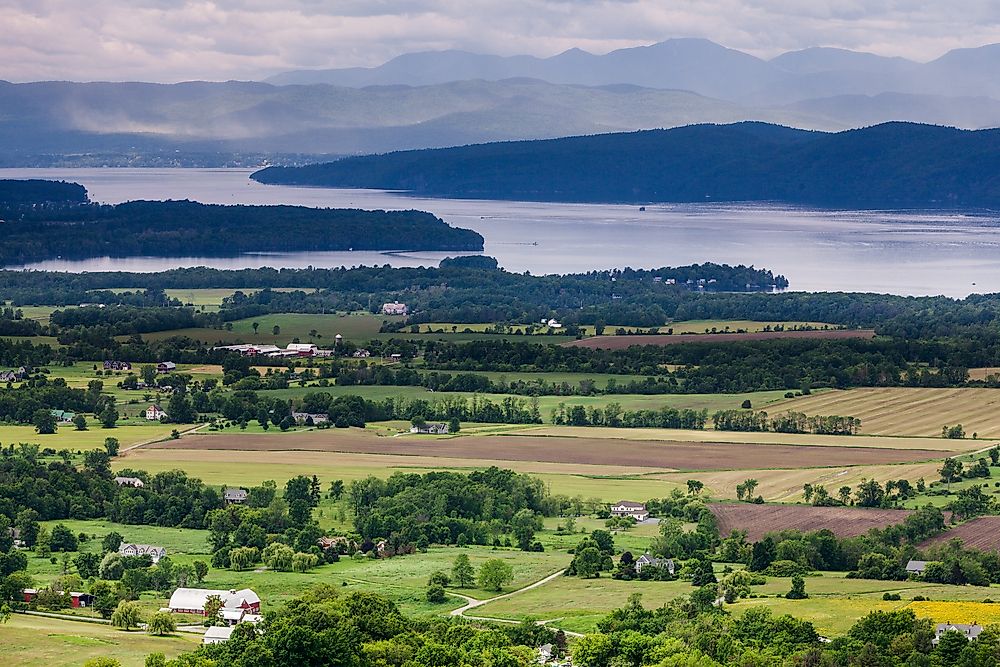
958	612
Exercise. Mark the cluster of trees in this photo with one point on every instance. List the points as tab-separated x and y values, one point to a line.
13	323
613	415
868	493
276	531
414	511
789	422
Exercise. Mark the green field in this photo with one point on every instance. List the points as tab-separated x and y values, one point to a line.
67	437
33	641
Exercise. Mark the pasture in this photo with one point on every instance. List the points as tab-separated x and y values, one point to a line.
910	411
67	437
33	641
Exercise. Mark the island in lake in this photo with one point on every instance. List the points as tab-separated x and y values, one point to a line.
46	219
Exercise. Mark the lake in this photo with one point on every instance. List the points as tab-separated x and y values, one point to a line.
909	253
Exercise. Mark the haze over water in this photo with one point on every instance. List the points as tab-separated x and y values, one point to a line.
909	253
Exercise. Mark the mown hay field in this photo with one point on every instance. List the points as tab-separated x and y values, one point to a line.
909	411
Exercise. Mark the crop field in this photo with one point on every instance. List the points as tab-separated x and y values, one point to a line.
622	342
358	327
758	520
663	455
33	641
785	485
910	411
214	296
607	483
979	533
936	447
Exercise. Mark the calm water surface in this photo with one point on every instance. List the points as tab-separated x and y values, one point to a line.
911	253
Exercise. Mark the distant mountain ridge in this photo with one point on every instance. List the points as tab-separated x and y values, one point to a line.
894	165
698	65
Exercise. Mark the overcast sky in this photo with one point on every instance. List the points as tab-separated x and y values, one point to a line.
160	40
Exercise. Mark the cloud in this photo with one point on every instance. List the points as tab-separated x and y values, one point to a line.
162	40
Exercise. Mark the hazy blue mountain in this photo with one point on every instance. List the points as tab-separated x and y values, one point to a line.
700	66
323	119
894	165
689	64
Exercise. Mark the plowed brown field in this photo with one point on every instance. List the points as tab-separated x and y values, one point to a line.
622	342
595	451
758	520
981	533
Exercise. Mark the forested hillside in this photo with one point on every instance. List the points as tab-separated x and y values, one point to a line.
895	165
72	228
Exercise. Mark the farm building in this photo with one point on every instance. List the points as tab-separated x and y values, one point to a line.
234	496
916	566
63	416
646	560
635	510
430	428
166	367
192	600
15	536
361	354
154	552
155	413
395	308
970	632
129	481
77	600
217	634
13	376
117	366
310	417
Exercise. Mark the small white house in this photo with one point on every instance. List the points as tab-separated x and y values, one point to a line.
970	632
155	413
395	308
431	428
134	482
635	510
646	560
154	552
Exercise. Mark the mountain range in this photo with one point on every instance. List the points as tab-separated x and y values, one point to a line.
696	65
449	98
894	165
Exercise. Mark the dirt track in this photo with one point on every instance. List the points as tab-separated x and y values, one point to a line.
622	342
595	451
758	520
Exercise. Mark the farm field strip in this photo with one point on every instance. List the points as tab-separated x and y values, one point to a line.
777	485
622	342
979	533
758	520
765	438
524	446
910	411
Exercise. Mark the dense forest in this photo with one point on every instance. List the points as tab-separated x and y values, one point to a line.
75	230
892	165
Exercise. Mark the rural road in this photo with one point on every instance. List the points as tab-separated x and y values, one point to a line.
472	603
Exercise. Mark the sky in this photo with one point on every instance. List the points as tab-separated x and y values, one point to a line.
160	40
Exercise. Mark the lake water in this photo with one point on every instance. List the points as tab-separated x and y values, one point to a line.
910	253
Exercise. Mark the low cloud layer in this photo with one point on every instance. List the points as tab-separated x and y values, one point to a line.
160	40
